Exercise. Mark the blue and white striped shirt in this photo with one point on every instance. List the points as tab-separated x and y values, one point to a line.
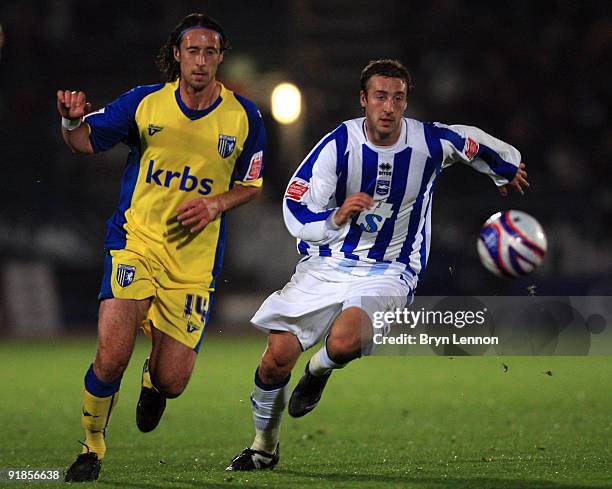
393	237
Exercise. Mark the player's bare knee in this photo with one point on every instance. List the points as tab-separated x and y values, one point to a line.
172	391
273	369
344	348
169	387
108	370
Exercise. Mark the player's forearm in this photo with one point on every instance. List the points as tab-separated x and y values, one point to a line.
502	159
237	196
78	139
316	228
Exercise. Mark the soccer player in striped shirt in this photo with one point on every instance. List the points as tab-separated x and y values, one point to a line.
360	208
196	151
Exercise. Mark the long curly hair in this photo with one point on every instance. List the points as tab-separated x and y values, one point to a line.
165	59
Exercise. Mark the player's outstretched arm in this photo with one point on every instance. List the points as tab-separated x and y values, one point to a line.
354	204
198	213
519	183
73	106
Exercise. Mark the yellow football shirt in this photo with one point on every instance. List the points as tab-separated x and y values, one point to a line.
177	154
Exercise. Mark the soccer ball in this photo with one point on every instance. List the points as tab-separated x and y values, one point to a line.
511	244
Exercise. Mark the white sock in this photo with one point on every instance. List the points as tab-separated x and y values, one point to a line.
268	403
320	363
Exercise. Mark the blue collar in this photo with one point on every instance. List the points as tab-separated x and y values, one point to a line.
195	114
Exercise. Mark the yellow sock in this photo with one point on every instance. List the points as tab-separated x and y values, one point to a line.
94	419
146	377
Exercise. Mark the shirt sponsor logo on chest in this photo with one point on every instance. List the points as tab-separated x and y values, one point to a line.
184	180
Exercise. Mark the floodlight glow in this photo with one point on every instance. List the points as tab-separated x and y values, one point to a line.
286	103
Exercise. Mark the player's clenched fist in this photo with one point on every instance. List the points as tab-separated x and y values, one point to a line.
353	204
72	104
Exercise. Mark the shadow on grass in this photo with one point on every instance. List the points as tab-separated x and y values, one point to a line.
442	482
175	484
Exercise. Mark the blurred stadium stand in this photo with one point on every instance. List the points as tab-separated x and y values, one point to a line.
536	74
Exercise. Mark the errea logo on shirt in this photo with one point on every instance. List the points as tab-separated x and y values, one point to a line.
184	180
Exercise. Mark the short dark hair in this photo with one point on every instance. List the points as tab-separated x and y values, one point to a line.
165	59
391	68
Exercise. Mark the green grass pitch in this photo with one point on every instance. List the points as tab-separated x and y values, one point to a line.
384	422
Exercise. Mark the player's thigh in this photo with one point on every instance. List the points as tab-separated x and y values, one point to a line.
125	295
180	312
171	363
118	323
368	297
176	322
305	307
350	331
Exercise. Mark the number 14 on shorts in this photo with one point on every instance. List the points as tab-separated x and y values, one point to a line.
197	301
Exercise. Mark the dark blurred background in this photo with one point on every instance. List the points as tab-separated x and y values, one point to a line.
535	74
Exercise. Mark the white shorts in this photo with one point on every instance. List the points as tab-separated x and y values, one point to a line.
308	305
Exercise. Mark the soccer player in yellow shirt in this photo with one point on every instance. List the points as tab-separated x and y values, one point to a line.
195	152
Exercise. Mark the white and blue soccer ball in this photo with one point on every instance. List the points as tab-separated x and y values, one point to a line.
511	244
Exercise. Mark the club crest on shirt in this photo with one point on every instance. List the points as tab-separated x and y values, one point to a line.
383	187
125	275
226	145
